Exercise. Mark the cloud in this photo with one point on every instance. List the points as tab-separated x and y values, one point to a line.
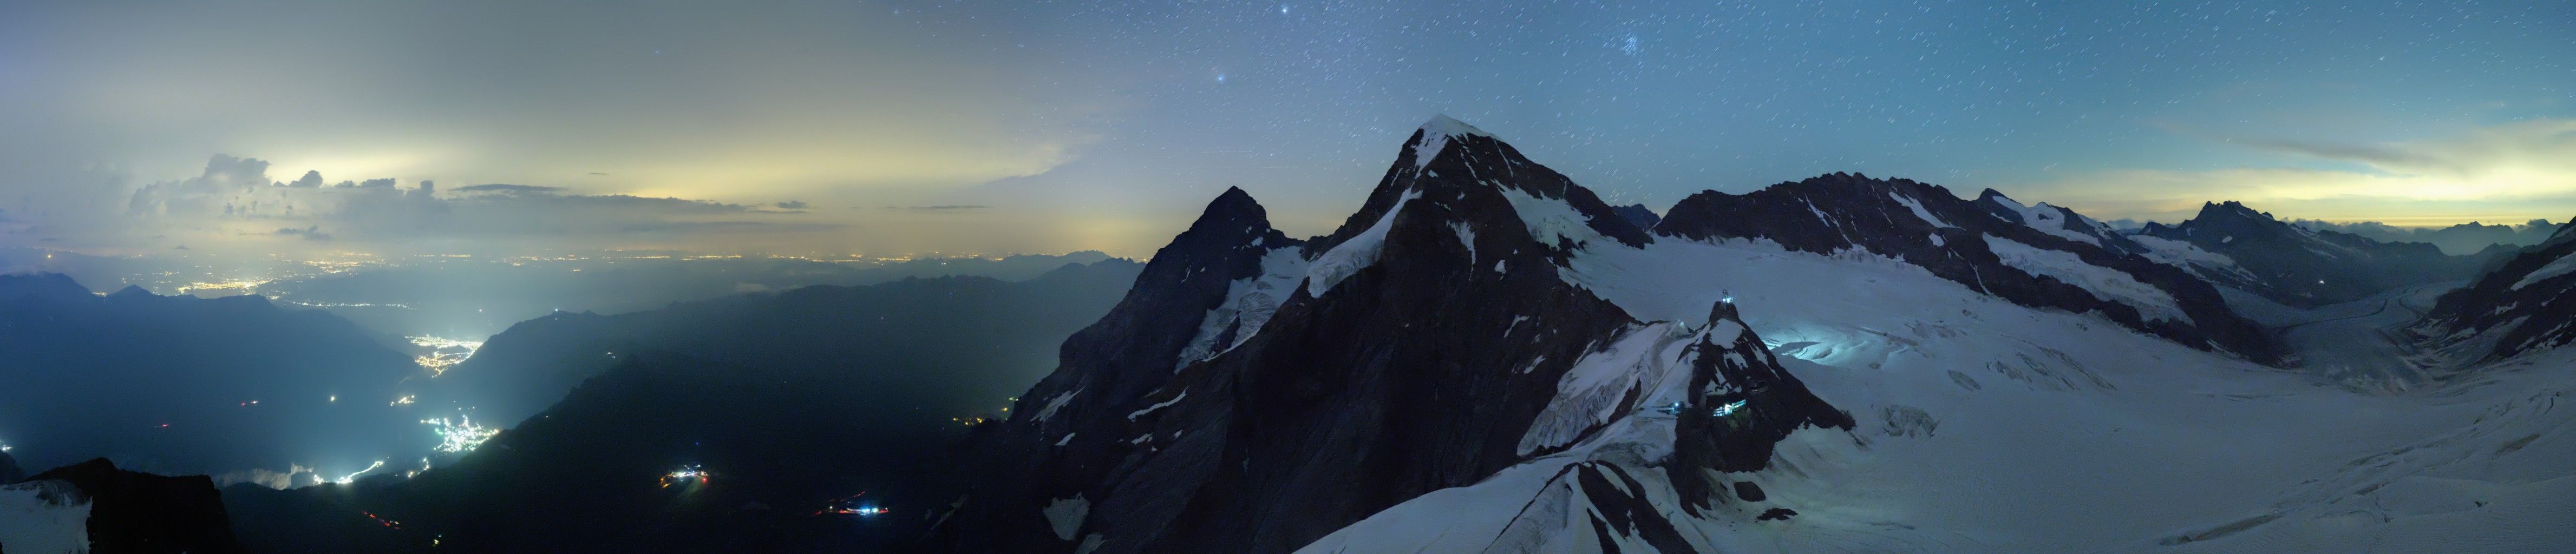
792	205
508	189
309	233
2512	151
954	207
280	480
235	197
2507	173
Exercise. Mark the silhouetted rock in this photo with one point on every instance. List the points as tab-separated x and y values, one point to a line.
1639	215
2307	268
141	513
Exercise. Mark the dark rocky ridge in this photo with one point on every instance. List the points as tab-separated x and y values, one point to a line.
1840	211
2493	318
141	513
1419	371
2307	268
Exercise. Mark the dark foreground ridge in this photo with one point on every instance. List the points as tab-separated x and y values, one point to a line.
142	513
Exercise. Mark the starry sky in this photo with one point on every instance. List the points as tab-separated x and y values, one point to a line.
901	127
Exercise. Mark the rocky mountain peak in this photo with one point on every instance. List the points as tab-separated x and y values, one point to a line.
2301	267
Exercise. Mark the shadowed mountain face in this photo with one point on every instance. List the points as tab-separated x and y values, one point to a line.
939	347
185	385
789	400
2039	256
2307	268
588	474
2521	305
1411	350
469	298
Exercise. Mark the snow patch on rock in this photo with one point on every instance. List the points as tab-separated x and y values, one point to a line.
2048	219
1550	220
1355	254
1919	212
1589	393
1053	404
2190	258
2562	266
2105	283
1185	393
1466	238
1065	515
1249	303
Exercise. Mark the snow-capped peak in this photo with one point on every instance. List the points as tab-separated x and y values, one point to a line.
1442	124
1436	134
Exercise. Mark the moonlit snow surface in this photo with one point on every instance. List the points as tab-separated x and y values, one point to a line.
1991	427
46	517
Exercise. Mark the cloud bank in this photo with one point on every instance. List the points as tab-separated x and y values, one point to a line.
2513	172
236	196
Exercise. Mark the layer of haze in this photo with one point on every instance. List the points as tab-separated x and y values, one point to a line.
900	127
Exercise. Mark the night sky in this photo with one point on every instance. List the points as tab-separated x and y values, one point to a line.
1019	126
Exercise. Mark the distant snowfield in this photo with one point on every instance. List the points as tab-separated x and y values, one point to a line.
2048	432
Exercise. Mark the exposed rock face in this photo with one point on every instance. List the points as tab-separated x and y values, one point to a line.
2041	256
141	513
1761	404
1411	350
1107	370
2526	302
1639	215
2307	268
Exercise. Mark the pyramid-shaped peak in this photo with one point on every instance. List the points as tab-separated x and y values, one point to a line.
1443	125
1434	137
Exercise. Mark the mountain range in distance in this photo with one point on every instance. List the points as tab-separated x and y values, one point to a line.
1487	357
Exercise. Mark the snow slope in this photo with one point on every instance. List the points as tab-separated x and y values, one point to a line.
1990	427
45	517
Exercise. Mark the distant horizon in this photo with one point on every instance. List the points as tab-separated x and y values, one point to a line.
294	237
